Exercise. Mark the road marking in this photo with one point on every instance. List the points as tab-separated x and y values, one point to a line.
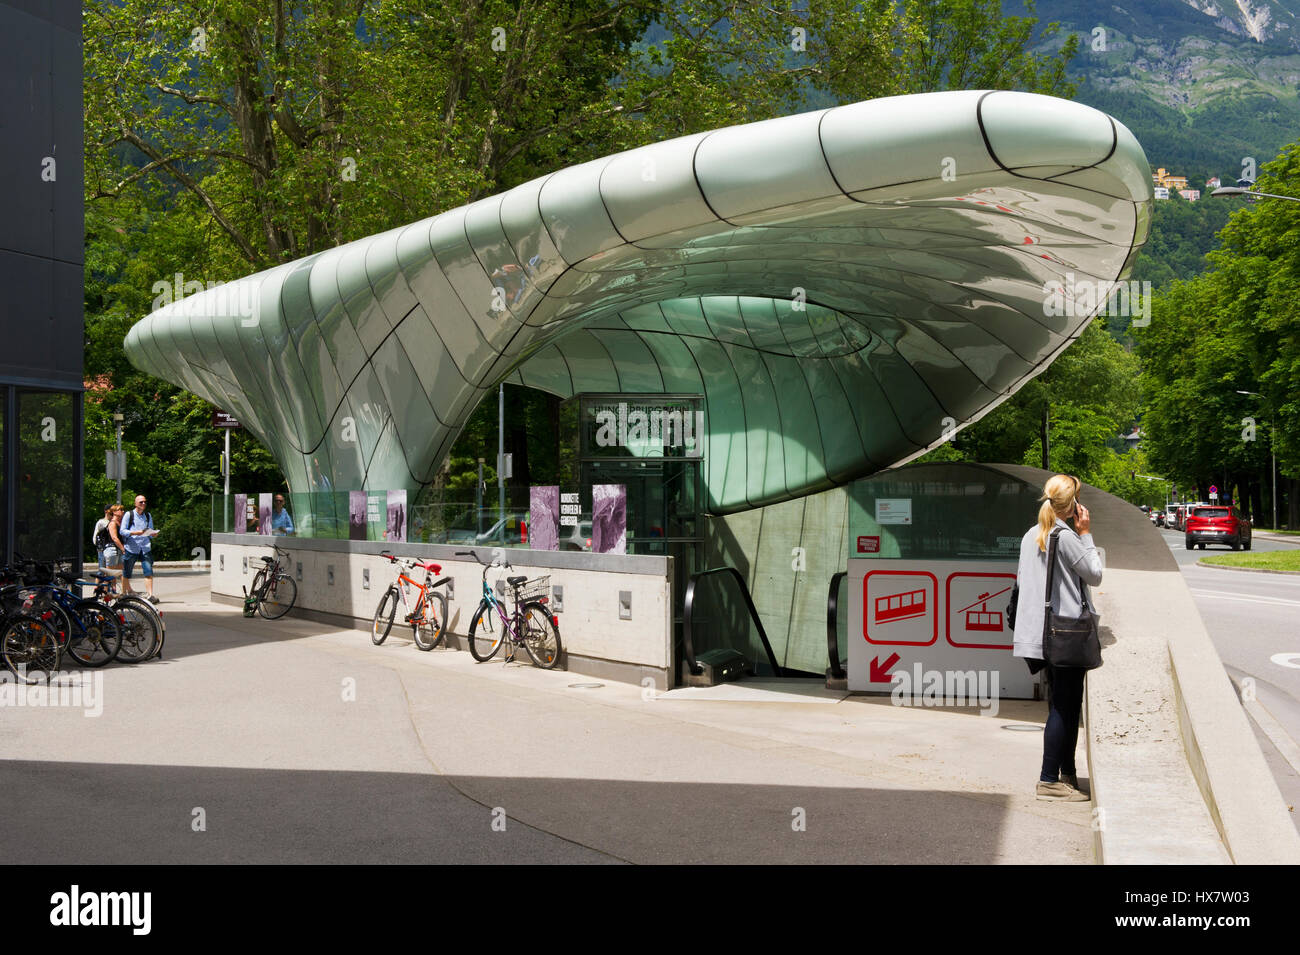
1291	660
1278	736
1248	598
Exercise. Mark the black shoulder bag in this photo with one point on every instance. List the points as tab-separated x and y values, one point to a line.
1068	641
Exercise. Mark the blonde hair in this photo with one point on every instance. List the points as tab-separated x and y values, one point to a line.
1058	501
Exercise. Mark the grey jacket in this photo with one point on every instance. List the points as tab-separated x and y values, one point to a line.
1077	558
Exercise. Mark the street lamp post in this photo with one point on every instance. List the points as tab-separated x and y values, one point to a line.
1272	447
117	423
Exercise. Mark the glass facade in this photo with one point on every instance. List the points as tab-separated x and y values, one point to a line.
42	473
953	511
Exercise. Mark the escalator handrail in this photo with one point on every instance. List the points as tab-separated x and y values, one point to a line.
688	606
832	619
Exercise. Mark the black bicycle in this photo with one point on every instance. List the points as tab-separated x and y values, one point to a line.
273	591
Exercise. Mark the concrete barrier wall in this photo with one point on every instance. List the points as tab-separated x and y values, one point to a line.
597	641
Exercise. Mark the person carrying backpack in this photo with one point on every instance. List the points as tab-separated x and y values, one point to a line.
138	532
99	537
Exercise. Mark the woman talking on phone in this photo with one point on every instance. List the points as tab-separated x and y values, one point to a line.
1078	567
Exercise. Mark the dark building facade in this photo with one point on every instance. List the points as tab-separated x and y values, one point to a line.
41	272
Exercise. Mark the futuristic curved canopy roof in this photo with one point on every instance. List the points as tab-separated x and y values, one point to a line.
842	286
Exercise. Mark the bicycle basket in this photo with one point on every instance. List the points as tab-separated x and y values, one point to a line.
537	587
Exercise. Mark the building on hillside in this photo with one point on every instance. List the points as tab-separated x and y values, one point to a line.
1212	183
1163	177
1160	192
1191	195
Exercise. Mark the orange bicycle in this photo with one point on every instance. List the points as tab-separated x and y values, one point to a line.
428	617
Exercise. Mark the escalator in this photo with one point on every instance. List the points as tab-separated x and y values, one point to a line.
723	637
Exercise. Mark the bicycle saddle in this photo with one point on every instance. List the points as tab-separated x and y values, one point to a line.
516	581
432	568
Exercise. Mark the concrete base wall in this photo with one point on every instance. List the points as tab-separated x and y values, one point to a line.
597	641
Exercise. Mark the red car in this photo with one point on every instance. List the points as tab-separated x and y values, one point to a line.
1217	524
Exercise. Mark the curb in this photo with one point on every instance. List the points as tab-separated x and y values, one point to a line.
89	568
1252	570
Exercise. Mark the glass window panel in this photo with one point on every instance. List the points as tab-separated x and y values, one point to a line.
45	526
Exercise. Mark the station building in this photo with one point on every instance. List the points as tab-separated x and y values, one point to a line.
751	321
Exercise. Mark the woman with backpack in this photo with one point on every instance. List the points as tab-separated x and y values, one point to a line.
99	536
108	541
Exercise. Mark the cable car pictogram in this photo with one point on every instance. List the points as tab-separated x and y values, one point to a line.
983	618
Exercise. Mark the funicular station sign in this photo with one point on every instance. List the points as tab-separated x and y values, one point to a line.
933	554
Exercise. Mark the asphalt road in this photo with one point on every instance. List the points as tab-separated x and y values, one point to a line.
1251	617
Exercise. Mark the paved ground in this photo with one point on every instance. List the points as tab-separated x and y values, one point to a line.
288	741
1251	619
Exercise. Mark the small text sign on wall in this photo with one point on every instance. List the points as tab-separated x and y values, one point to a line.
894	510
570	509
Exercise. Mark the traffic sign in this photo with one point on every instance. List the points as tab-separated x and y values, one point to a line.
115	465
222	420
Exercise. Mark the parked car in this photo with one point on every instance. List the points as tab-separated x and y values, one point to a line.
576	537
1217	524
515	527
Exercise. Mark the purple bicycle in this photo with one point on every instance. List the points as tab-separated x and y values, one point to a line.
531	624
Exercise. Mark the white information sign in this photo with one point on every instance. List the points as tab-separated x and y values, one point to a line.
926	617
894	510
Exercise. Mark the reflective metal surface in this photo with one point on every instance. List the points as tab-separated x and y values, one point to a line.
840	285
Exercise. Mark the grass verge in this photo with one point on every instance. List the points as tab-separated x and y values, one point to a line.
1258	560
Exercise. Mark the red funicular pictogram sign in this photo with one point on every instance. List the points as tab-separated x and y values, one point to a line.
900	607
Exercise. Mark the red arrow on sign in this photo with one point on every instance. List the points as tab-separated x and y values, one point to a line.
880	674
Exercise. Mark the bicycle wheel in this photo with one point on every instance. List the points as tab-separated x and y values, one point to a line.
541	636
384	615
40	602
30	649
487	629
255	588
428	630
141	635
99	640
278	600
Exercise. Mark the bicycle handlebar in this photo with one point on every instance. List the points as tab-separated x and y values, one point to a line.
474	554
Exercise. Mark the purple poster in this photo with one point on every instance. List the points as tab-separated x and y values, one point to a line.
240	516
609	518
396	516
544	517
356	515
264	513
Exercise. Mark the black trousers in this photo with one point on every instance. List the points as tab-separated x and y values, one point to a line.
1061	735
